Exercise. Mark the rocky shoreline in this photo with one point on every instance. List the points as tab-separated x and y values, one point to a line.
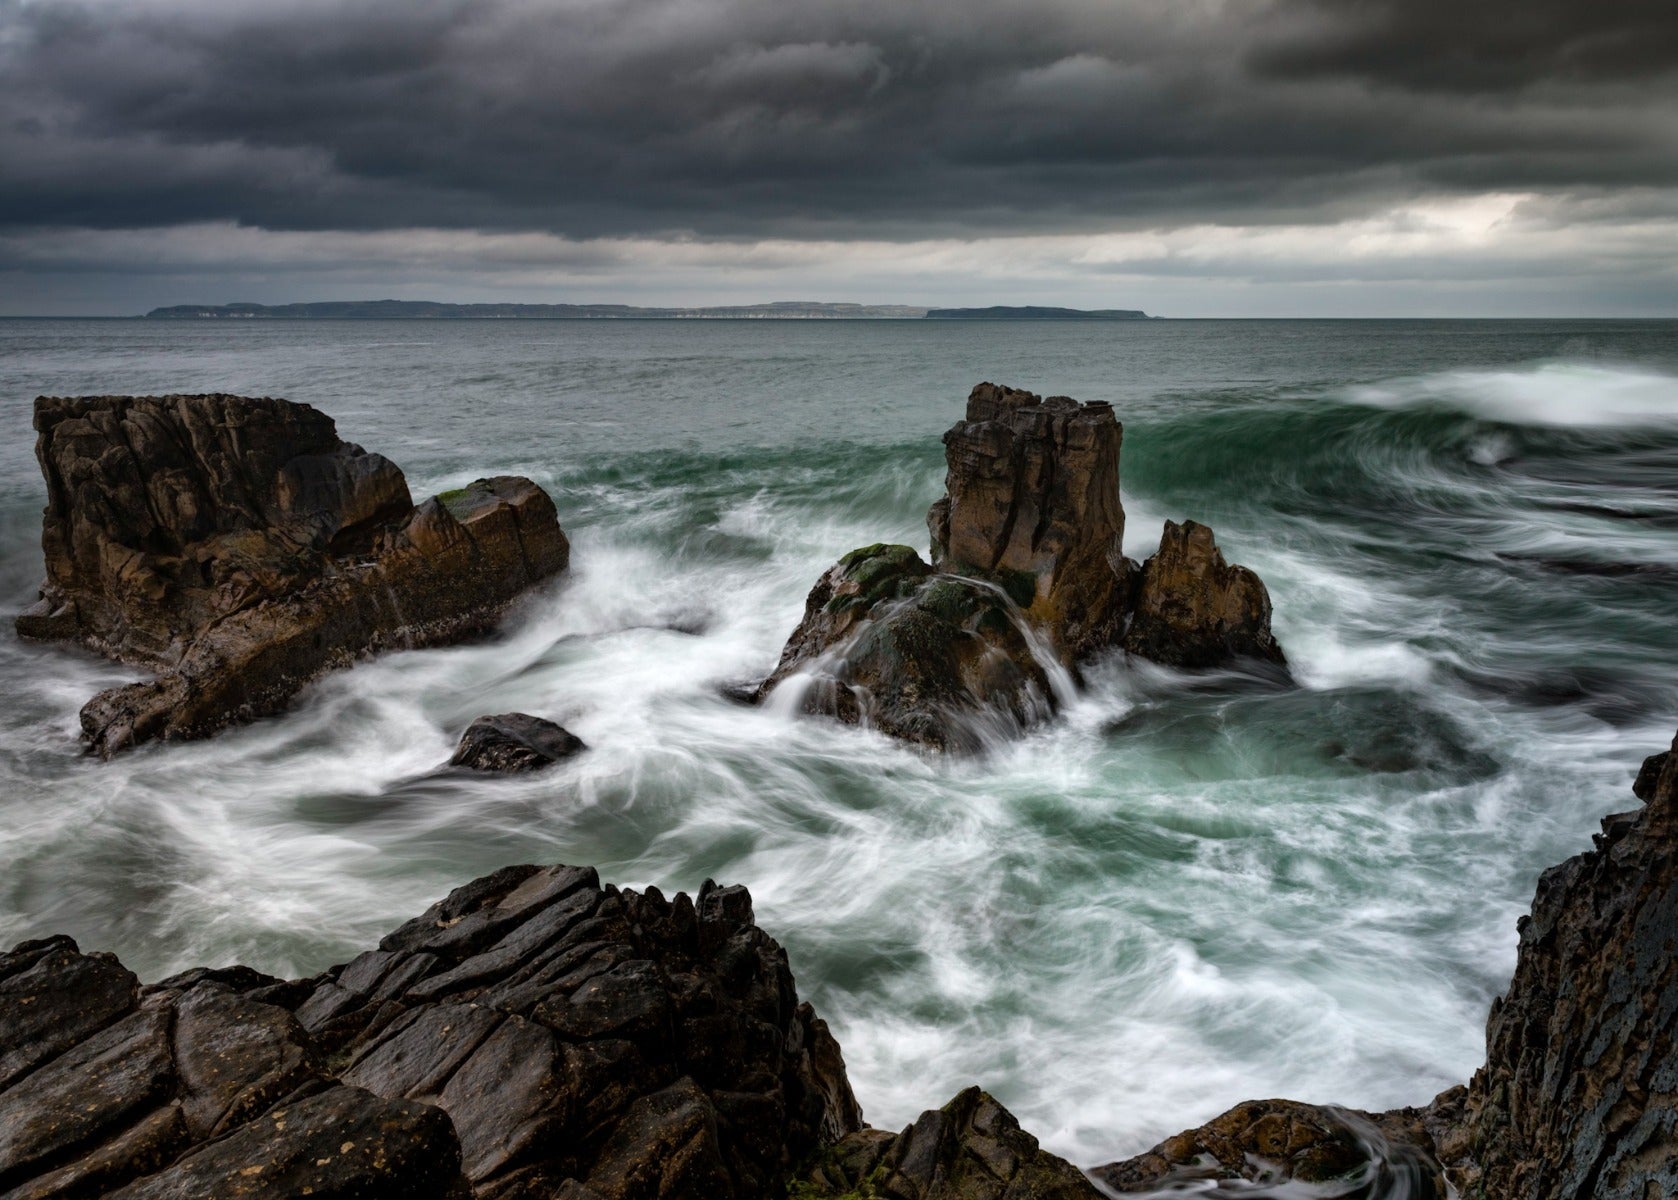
537	1033
540	1034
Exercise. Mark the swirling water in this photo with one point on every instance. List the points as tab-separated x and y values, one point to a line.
1183	893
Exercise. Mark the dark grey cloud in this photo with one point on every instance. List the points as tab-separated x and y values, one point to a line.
1476	46
753	118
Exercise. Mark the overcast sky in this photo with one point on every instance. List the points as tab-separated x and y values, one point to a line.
1188	157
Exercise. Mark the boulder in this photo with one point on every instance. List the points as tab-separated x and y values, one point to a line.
532	1034
1032	503
1194	610
1344	1154
971	1149
937	660
514	742
238	548
1028	580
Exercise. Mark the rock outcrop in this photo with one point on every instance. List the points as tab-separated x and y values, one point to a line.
532	1035
1195	610
933	659
239	548
1342	1154
1578	1099
971	1149
515	742
1032	503
1028	579
1579	1094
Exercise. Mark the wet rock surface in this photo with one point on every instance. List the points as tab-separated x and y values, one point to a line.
1032	503
237	547
534	1034
1193	609
971	1149
1028	579
515	742
1346	1155
932	659
1579	1094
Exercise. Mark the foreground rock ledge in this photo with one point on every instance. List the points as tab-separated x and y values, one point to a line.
1028	579
534	1034
538	1035
239	548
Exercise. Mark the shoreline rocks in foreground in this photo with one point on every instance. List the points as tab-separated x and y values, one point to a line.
239	548
536	1034
1028	579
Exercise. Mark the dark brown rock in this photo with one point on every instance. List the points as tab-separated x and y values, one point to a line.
1357	1156
239	548
1028	580
933	659
1579	1094
971	1149
345	1143
1193	609
1032	503
514	742
532	1034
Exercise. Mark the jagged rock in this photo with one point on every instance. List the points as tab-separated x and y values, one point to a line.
1195	610
932	659
514	742
239	548
1032	503
1347	1154
532	1034
1579	1094
971	1149
1028	580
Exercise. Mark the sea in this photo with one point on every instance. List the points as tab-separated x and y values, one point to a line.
1184	892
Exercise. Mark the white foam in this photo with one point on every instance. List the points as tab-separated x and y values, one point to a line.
1558	393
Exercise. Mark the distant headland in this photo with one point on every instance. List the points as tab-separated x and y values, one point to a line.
782	310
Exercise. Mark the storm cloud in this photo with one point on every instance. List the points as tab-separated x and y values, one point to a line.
820	122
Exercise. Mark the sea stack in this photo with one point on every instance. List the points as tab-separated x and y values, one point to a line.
239	548
1028	580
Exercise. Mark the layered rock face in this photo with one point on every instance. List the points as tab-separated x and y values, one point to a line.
1028	579
533	1035
1578	1099
1579	1094
240	548
1032	502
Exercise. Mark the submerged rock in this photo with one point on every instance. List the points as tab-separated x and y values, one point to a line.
971	1149
1028	580
534	1034
239	548
932	659
1347	1155
1193	609
515	742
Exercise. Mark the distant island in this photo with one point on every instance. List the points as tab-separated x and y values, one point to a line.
781	310
1032	312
